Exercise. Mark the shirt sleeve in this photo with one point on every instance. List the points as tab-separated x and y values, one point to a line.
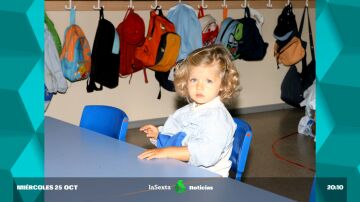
170	128
206	149
172	125
168	141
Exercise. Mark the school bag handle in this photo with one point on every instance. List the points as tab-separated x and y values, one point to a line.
72	16
201	12
247	12
306	10
310	36
101	16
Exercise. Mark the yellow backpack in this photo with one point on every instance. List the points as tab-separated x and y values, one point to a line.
167	53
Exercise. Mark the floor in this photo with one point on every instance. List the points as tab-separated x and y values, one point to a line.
263	168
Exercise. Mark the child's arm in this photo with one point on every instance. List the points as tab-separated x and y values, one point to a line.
151	131
179	153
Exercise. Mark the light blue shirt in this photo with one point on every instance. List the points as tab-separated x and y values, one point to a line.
209	130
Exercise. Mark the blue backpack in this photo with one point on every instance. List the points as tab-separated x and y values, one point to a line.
76	55
242	38
188	27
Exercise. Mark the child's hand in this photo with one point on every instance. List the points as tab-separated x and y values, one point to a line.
179	153
153	153
151	131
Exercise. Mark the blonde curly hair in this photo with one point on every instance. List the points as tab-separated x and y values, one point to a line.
210	55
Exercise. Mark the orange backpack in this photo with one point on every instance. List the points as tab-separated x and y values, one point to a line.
167	52
76	54
158	25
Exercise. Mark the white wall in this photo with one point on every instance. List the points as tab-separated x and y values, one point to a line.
260	80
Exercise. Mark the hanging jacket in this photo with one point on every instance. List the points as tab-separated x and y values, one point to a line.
51	27
54	78
188	26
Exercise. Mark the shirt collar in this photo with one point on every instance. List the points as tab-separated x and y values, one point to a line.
214	102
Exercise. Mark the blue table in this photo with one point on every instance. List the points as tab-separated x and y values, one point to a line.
71	151
106	169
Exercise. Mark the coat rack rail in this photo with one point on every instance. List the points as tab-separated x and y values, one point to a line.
145	5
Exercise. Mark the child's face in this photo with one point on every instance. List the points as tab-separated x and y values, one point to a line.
204	83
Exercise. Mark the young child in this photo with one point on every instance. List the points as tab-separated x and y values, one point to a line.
201	132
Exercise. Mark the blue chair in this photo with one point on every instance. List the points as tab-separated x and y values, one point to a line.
312	197
241	146
107	120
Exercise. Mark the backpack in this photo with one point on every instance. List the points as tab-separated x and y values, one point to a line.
188	27
76	55
259	18
104	63
158	26
289	49
286	24
131	32
164	82
251	46
167	52
294	83
230	35
209	28
292	87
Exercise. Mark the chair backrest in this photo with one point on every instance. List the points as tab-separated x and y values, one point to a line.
241	145
312	196
107	120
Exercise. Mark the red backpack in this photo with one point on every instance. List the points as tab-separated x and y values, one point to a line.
209	28
158	25
132	35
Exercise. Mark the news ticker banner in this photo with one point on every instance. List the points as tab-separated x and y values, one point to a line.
22	96
145	189
177	189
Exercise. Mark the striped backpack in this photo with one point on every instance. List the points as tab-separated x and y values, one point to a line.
76	55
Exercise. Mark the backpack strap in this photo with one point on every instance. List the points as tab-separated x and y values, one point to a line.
91	86
247	12
201	12
127	12
159	95
101	16
145	76
302	23
225	12
153	19
160	11
312	51
310	36
72	16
